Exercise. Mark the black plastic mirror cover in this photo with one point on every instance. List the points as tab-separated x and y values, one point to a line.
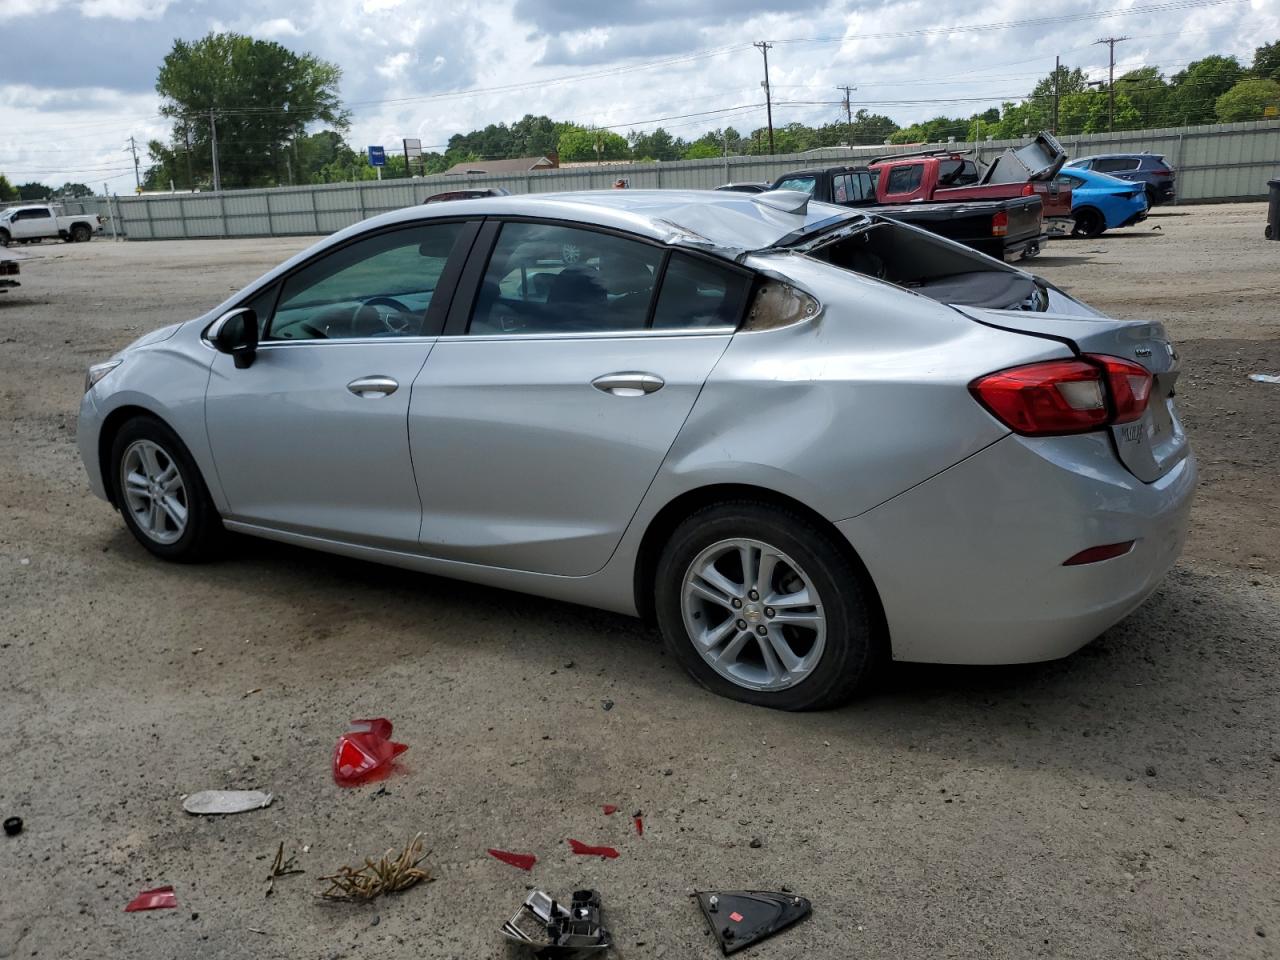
739	918
237	335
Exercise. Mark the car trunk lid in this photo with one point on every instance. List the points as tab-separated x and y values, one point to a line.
1154	444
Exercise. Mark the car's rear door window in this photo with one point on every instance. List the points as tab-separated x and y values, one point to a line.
379	286
698	293
904	179
547	278
1116	164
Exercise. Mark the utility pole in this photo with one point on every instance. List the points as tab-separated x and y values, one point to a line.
764	47
186	136
1111	78
848	113
1057	80
137	177
213	132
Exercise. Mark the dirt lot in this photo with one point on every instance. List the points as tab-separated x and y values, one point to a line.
1120	803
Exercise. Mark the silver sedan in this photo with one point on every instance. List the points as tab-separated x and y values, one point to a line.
802	439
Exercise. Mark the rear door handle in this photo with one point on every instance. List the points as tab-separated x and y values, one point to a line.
373	387
631	384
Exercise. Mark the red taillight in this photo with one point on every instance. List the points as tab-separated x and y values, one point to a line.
1028	190
1058	397
1000	224
1130	386
1162	173
1107	551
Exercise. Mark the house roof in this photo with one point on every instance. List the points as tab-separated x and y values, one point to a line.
516	165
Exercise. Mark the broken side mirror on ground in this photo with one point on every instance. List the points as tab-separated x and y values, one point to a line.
739	918
550	929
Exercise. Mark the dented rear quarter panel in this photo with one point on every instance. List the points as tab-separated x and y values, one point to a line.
849	409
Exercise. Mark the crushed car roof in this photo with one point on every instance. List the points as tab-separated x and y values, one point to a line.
718	221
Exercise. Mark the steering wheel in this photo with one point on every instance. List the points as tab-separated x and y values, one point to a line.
396	323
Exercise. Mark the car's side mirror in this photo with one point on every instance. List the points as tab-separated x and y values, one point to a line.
236	333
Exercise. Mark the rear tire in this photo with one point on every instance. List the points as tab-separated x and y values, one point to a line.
161	495
80	233
832	644
1089	223
1152	197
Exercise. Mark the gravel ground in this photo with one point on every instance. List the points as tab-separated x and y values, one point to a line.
1120	802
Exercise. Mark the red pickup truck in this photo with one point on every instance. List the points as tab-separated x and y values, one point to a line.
940	176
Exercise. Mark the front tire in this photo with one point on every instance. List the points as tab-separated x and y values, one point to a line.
161	495
5	238
760	604
1089	223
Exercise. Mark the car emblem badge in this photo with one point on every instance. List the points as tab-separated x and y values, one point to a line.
1142	352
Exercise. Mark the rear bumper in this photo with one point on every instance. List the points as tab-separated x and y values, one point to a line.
1025	249
1137	217
968	565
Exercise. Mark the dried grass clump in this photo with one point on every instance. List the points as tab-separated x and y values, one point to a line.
385	876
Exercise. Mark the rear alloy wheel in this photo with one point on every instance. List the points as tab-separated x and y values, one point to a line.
760	605
161	494
80	233
1089	223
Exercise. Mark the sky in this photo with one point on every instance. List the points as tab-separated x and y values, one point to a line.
77	77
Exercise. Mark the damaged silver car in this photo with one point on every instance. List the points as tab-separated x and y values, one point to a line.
799	438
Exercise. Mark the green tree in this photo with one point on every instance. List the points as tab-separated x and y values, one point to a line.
7	190
73	190
868	127
1248	100
32	191
1266	61
591	143
1196	89
656	145
534	137
262	96
1146	90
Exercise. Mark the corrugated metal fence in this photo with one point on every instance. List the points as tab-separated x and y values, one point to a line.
1220	162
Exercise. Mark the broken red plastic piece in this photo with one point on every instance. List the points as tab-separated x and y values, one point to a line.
365	752
157	899
639	821
524	861
577	846
609	809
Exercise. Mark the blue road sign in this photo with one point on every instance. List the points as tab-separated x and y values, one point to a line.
377	157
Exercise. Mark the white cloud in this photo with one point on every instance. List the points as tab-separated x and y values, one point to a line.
125	9
31	8
394	66
402	62
275	29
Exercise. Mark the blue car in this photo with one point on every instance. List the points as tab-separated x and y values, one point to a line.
1100	202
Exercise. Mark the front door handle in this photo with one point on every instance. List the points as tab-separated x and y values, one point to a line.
632	384
373	387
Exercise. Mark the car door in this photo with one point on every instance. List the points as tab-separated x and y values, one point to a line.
543	415
37	222
310	437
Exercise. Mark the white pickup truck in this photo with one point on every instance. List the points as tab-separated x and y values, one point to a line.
40	221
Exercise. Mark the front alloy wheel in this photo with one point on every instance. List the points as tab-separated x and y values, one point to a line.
160	493
154	493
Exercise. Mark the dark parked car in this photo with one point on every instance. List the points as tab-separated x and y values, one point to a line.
1151	170
468	194
746	187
